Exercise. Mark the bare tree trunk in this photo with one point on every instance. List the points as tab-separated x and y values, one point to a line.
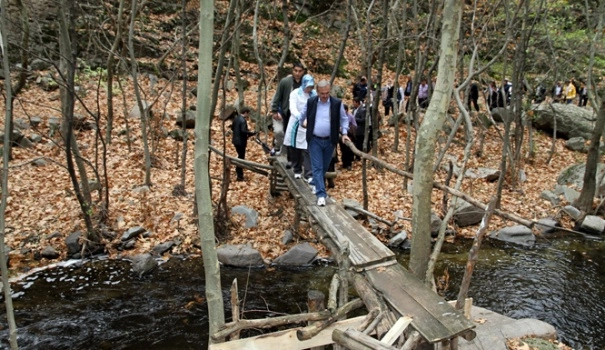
185	44
68	70
378	82
221	58
117	43
400	58
8	117
473	255
261	65
585	201
343	43
143	109
427	138
286	47
202	176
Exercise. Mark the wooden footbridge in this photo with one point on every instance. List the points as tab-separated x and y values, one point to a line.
394	297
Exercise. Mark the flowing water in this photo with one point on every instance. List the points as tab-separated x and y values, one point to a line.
102	305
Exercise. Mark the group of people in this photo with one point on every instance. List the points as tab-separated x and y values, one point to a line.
308	123
387	93
567	93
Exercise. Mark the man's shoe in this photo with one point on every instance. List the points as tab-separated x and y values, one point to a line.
289	165
298	176
309	180
321	202
241	179
313	190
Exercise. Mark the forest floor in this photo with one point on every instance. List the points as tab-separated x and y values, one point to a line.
42	201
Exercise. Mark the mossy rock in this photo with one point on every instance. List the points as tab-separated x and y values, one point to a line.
540	344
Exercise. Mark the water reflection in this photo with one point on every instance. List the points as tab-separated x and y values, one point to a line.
102	305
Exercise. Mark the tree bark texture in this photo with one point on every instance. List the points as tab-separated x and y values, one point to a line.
427	138
203	197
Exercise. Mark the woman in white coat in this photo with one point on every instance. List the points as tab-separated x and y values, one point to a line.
296	135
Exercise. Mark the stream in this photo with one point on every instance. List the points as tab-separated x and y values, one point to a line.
101	304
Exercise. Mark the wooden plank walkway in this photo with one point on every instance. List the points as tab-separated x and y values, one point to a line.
433	317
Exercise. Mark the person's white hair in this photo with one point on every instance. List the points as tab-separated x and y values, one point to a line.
323	83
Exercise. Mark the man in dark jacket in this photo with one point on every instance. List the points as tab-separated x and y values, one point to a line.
359	112
240	138
324	117
473	97
280	106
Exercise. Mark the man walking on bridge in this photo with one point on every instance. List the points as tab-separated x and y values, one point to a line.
324	117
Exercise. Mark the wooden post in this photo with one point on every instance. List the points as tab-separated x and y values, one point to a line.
234	307
316	303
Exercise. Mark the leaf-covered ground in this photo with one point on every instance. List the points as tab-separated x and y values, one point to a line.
42	201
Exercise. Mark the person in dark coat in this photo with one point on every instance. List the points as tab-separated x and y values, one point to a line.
240	138
473	97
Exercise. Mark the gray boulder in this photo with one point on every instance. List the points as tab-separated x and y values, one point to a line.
299	255
550	196
577	144
398	239
38	65
467	214
488	174
574	175
435	224
143	264
547	225
515	234
501	114
287	238
570	194
50	253
135	111
35	138
572	121
73	243
239	255
189	120
572	211
163	247
251	215
592	224
21	124
35	121
132	233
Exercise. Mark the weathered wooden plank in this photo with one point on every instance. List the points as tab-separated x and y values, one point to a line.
287	339
433	317
364	248
396	331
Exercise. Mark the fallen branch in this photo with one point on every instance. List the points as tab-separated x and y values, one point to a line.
473	201
312	330
370	214
247	164
354	340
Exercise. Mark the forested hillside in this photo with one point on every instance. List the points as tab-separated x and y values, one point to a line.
130	168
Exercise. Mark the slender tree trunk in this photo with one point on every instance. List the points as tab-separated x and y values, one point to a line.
400	58
202	176
221	58
8	117
143	109
427	138
68	70
286	47
585	201
185	43
117	43
343	43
